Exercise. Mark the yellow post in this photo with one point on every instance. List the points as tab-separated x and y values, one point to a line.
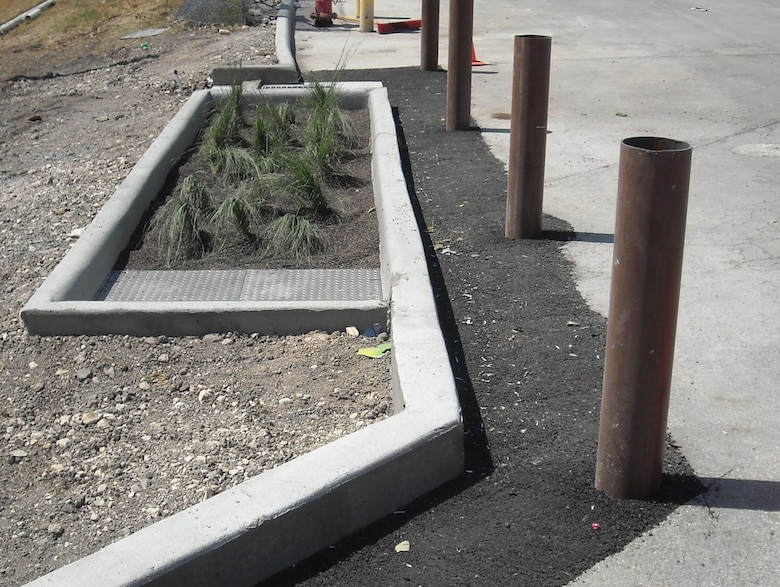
357	9
366	16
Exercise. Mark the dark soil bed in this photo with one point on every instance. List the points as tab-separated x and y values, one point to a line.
351	236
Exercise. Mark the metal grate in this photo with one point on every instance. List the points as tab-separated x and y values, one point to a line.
242	285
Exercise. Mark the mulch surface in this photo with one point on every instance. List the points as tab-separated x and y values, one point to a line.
528	355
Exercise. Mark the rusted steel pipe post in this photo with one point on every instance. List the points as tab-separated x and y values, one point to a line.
429	39
459	65
646	271
528	136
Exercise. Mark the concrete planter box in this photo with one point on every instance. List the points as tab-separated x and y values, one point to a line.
67	303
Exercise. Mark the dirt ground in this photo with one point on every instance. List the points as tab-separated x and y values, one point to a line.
104	435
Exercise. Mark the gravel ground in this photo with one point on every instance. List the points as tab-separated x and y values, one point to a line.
104	435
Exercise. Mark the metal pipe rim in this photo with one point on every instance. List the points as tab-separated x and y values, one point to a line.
656	144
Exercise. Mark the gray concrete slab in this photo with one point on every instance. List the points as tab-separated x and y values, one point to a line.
704	73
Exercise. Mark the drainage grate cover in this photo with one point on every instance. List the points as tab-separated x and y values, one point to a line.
242	285
312	284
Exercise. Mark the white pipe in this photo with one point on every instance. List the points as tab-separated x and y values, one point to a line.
28	15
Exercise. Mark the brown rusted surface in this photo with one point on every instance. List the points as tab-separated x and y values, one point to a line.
459	65
528	136
646	272
429	36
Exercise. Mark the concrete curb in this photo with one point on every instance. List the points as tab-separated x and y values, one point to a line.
285	72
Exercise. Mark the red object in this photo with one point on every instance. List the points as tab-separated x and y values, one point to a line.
474	60
403	26
596	526
323	14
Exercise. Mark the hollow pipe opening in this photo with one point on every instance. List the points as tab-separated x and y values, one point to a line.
656	144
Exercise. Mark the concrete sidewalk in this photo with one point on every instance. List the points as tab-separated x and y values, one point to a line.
705	74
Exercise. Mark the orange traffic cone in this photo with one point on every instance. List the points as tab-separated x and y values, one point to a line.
474	60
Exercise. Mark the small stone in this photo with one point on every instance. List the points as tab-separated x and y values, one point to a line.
17	455
56	530
163	358
83	374
91	417
212	338
203	395
352	331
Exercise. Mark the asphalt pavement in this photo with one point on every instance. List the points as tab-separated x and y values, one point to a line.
706	74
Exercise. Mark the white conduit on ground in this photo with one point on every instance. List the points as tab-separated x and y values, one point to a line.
29	15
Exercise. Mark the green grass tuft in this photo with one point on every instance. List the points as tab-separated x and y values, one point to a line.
226	125
328	123
182	220
302	181
293	237
273	127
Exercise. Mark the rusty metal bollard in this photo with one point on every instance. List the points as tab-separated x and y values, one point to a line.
429	36
528	136
646	272
459	65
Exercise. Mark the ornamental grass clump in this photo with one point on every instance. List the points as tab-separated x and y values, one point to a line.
234	163
292	237
227	125
303	183
273	128
236	215
182	219
330	134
